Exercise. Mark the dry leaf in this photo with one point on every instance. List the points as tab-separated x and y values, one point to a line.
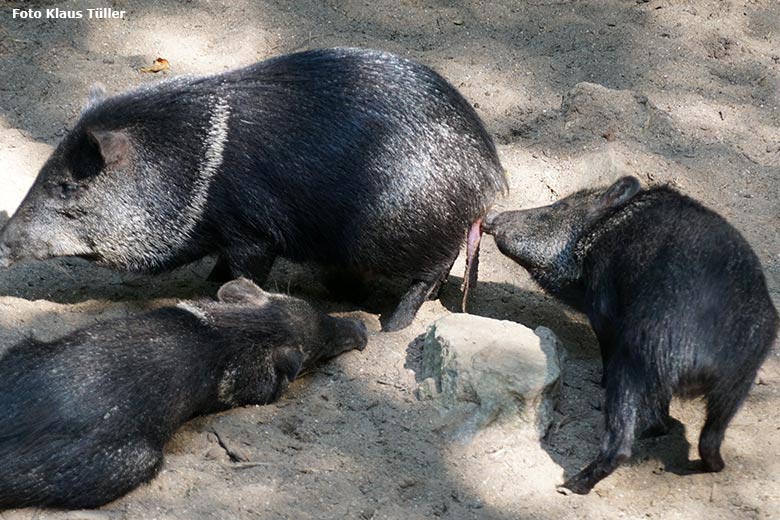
158	65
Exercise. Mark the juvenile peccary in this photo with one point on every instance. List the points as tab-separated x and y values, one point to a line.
675	295
349	158
83	419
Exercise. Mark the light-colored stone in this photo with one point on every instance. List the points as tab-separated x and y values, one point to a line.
491	373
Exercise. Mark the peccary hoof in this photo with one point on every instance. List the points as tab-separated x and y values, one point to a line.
396	323
713	466
575	485
657	430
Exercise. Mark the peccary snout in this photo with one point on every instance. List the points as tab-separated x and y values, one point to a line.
345	335
487	223
33	234
543	240
322	336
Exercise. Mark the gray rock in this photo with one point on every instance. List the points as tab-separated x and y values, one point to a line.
491	373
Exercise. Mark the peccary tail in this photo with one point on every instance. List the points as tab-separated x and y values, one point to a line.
472	260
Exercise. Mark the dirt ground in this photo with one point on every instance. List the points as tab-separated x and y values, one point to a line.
575	93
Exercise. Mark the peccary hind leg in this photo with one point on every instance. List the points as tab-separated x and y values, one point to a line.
410	303
418	293
102	479
722	404
621	416
660	423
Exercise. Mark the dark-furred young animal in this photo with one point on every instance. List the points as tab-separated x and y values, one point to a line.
83	419
676	296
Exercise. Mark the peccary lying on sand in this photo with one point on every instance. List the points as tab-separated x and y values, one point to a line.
349	158
83	419
675	295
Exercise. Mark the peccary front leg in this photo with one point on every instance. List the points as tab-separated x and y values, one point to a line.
288	363
621	418
251	379
601	316
253	262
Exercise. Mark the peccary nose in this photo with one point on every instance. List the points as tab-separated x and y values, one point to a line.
489	221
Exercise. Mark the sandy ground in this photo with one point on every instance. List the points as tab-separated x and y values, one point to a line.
575	93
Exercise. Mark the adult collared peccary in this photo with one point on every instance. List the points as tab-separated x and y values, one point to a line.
349	158
83	419
675	295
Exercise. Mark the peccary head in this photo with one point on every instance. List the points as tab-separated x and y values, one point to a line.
112	192
245	307
544	240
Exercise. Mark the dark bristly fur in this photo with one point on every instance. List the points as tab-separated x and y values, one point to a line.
84	418
350	158
675	295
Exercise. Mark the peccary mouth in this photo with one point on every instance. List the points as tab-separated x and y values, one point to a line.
8	258
91	257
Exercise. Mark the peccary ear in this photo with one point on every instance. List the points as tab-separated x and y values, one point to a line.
242	290
114	145
620	192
